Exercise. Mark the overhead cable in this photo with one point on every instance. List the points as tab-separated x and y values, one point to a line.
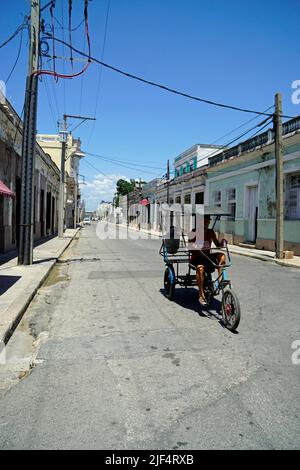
22	26
171	90
17	58
123	161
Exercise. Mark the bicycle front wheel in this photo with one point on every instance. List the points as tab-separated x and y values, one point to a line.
231	310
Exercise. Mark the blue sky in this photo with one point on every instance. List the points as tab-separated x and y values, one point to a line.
233	52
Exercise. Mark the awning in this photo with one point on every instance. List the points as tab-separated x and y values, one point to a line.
5	191
144	202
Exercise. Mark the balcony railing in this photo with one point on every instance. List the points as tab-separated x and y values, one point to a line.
291	126
256	141
250	144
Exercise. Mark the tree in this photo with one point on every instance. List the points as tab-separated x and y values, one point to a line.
124	187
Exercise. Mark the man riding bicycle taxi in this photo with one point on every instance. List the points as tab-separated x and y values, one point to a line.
201	256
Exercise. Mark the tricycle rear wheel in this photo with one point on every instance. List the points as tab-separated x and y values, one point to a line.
169	282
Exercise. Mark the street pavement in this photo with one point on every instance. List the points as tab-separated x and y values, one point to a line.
19	283
103	360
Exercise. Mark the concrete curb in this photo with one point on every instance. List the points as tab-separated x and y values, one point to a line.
19	306
252	255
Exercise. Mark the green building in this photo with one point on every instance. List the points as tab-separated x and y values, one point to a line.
241	180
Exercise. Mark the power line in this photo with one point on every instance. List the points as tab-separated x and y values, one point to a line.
50	103
242	125
20	28
81	81
163	87
100	72
217	151
17	58
55	97
102	57
109	159
128	166
253	135
64	83
99	171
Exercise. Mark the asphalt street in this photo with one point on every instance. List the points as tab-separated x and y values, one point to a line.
103	360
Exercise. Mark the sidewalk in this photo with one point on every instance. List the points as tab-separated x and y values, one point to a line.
19	284
262	255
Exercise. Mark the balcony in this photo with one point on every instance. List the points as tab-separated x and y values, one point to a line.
288	127
256	141
291	126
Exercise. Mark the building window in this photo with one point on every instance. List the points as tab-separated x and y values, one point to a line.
231	203
195	163
217	198
188	168
181	170
187	199
199	199
178	200
292	198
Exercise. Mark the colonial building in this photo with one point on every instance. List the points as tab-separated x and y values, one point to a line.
46	183
241	180
53	146
193	158
187	187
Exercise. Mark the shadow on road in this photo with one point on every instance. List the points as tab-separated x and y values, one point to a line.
188	299
6	282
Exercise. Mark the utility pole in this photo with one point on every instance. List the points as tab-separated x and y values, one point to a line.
61	209
168	181
75	197
64	137
29	141
279	176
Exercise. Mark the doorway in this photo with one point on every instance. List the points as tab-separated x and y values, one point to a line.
251	213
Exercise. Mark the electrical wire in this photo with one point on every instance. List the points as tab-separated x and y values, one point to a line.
100	73
99	171
130	167
124	161
17	58
55	98
226	147
70	76
50	102
171	90
81	82
52	27
22	26
242	125
251	137
63	34
211	154
70	30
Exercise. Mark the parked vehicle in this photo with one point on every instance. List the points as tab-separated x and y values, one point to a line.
86	221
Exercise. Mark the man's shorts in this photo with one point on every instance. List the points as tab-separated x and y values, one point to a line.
197	258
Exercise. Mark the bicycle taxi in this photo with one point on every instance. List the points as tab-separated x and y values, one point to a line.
177	257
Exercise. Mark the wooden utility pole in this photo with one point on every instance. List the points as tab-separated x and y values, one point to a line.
168	181
29	141
279	176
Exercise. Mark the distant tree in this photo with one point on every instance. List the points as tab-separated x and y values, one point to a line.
124	187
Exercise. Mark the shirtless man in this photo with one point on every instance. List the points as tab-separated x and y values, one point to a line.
200	261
